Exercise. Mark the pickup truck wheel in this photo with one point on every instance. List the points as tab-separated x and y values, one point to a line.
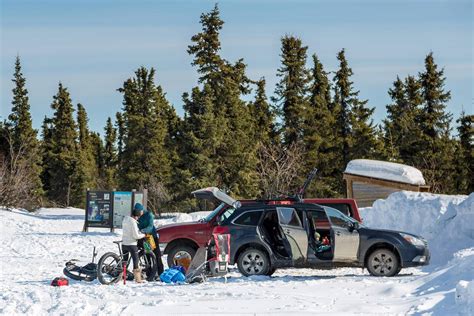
180	250
383	262
253	261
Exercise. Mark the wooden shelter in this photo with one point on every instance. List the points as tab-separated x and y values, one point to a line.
369	180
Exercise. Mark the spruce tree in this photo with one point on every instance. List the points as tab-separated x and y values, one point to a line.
86	171
356	130
291	90
356	135
402	131
63	154
263	116
206	47
110	155
217	128
342	107
145	112
394	121
98	151
435	120
239	156
464	157
410	144
202	138
46	153
23	136
320	134
436	157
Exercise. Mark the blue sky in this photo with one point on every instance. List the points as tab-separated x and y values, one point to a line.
93	46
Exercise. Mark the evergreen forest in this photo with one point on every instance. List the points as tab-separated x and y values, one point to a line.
233	134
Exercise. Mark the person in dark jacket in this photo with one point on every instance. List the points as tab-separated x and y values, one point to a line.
147	226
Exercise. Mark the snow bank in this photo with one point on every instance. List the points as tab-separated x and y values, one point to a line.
465	297
446	221
385	170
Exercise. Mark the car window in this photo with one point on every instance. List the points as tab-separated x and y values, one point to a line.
319	215
250	218
288	217
227	213
319	218
336	217
344	208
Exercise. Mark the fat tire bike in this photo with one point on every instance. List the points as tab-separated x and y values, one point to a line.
113	267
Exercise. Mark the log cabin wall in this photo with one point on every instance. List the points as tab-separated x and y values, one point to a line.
365	190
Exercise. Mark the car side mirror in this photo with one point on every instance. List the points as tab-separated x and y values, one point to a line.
353	226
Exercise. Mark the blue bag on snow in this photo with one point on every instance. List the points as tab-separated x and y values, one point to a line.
172	276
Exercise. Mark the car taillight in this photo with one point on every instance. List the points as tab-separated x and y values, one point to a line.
220	230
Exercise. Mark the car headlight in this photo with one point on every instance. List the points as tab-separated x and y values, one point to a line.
413	240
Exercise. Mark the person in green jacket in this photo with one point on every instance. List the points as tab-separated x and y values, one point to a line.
147	226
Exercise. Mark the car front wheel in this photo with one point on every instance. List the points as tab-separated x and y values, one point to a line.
383	262
253	261
180	250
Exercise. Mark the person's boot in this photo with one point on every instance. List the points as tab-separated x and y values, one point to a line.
137	275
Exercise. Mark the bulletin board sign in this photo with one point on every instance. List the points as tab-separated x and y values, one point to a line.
123	203
106	209
98	208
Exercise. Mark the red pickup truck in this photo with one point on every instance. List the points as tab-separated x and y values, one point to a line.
184	239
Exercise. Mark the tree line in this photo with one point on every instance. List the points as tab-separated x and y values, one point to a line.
314	119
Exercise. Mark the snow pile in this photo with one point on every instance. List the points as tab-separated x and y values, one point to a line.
385	170
446	221
465	297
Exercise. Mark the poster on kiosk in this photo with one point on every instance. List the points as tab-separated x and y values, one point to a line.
106	209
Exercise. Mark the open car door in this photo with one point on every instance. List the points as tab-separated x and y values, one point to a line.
345	241
294	232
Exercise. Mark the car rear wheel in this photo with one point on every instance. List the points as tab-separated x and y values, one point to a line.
180	250
383	262
253	261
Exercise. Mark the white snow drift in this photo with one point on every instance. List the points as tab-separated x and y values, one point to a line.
447	222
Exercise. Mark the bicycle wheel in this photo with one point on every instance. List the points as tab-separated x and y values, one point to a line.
109	268
147	262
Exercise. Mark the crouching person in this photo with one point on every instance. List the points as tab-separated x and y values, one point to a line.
131	235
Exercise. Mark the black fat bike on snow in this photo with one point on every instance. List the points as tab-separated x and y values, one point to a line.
86	273
110	268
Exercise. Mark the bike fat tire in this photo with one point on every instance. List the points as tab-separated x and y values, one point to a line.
102	274
147	262
79	274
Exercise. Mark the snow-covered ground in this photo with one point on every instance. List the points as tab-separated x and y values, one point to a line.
34	248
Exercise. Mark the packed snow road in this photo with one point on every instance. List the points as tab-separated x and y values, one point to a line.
35	247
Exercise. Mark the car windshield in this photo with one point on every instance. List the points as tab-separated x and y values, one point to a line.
211	215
